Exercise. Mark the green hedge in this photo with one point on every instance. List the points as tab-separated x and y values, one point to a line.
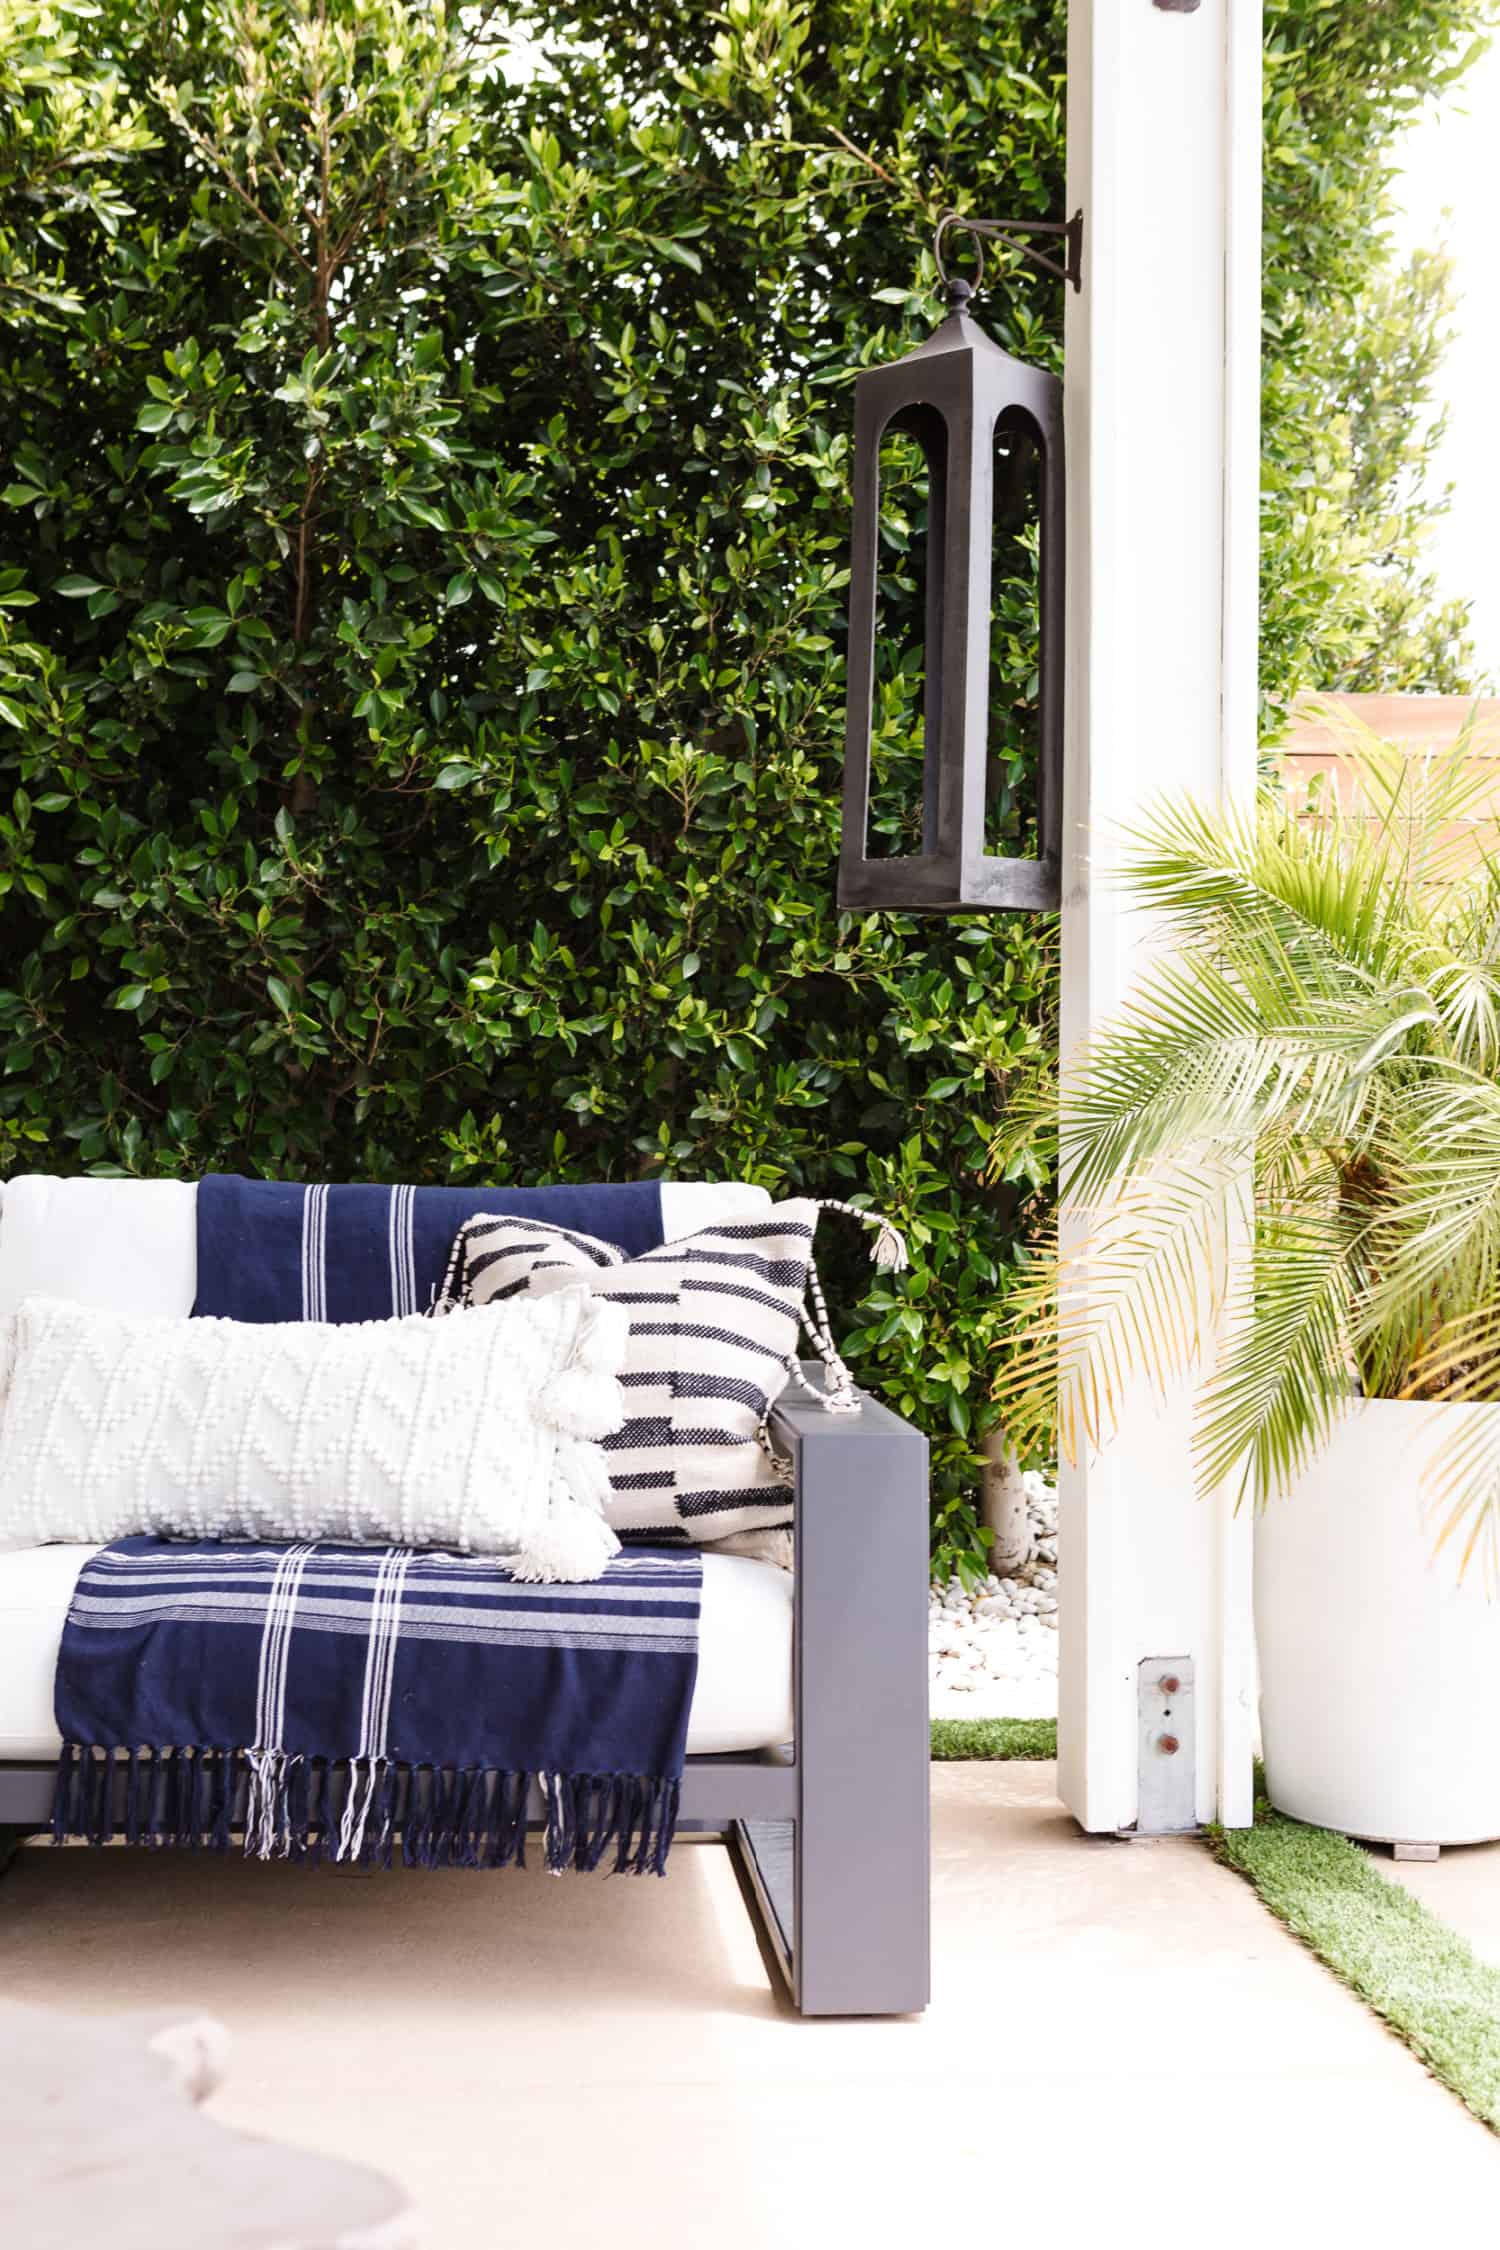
422	569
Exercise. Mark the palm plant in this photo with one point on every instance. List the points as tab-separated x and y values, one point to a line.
1311	1068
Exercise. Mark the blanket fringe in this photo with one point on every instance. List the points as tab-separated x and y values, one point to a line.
350	1810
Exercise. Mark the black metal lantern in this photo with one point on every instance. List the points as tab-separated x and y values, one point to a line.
952	395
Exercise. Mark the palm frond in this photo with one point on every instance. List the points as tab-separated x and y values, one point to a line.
1289	1369
1463	1493
1312	1058
1137	1297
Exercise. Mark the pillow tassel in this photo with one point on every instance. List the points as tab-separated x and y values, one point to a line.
841	1393
572	1543
889	1253
584	1402
584	1399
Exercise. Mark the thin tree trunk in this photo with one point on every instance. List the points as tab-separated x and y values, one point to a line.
1002	1507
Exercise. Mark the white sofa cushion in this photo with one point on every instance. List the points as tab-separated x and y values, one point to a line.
123	1245
742	1702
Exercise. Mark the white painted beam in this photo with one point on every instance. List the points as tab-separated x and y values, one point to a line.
1162	378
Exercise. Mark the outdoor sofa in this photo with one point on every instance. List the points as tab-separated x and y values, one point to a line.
808	1741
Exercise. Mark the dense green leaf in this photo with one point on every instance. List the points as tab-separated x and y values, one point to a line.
435	681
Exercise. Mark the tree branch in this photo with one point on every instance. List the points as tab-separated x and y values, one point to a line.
206	148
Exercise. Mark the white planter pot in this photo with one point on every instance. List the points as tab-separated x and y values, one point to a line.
1380	1671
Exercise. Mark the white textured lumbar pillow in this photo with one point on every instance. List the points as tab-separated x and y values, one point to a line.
474	1433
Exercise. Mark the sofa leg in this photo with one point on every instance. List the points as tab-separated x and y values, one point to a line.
11	1840
861	1852
765	1853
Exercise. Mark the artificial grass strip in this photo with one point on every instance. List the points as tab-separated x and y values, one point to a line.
1419	1976
994	1738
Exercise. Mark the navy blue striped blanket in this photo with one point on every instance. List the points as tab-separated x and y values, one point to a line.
276	1250
328	1699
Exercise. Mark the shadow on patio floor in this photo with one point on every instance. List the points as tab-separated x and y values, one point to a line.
1117	2031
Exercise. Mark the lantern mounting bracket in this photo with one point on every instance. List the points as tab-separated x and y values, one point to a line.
1008	231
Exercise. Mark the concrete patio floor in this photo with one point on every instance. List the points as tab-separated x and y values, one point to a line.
1120	2038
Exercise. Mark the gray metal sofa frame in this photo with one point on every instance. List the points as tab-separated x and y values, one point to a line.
830	1834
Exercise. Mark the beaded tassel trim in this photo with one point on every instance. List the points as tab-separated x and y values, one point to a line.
840	1394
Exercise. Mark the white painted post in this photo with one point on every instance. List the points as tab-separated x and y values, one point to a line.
1162	377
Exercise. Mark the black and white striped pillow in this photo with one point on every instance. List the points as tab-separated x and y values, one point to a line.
492	1259
713	1325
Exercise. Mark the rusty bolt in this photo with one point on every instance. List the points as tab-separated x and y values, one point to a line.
1169	1683
1168	1745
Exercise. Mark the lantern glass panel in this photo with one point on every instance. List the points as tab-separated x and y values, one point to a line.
1013	733
908	688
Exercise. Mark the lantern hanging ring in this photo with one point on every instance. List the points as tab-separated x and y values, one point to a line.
1070	232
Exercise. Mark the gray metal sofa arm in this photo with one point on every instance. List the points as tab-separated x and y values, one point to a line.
858	1878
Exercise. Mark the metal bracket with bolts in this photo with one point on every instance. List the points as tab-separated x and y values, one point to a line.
1164	1745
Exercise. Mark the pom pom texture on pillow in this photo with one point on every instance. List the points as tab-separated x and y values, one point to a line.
713	1323
478	1434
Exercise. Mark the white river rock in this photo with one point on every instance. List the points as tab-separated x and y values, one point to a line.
993	1654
